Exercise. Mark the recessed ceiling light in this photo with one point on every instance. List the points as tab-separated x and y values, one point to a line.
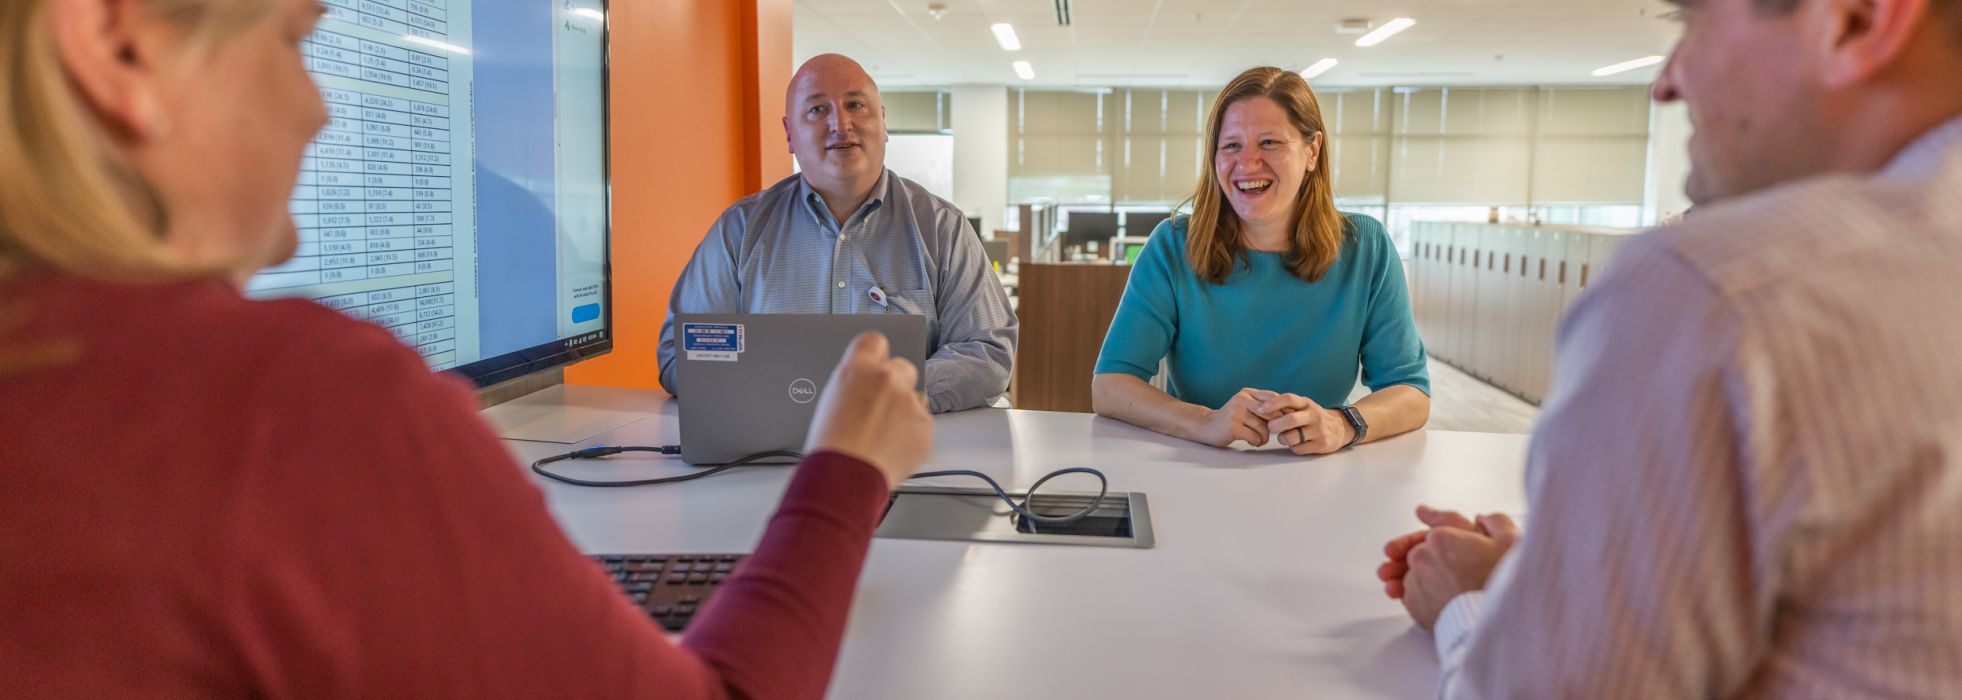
1005	35
1626	66
1386	31
1024	70
1320	67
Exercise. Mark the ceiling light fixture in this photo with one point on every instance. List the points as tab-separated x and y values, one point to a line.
1626	66
1005	35
1024	70
1320	67
1386	31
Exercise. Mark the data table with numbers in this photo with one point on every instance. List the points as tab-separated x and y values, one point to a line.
377	201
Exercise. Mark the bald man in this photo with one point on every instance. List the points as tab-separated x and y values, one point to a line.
847	236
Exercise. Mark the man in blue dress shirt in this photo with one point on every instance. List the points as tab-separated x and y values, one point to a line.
848	236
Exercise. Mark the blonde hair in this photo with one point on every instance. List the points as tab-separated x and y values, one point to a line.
1213	245
67	200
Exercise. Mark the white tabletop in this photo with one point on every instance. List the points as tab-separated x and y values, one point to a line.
1261	585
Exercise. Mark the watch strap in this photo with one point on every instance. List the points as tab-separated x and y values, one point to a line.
1356	422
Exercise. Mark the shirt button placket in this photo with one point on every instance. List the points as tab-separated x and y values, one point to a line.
840	271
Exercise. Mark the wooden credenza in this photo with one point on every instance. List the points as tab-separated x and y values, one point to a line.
1065	311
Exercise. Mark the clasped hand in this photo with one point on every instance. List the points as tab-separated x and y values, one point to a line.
1256	415
1452	555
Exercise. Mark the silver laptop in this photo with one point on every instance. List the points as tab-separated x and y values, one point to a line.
749	382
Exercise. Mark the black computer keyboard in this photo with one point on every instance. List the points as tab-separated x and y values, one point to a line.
670	587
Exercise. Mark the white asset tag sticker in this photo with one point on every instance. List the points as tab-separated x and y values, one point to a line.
712	342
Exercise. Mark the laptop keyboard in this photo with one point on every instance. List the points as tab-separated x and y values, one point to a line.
670	587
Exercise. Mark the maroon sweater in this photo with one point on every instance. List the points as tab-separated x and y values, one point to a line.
223	497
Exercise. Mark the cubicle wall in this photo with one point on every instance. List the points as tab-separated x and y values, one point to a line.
1488	297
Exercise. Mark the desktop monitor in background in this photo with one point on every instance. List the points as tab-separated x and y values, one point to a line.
1090	226
458	197
1140	224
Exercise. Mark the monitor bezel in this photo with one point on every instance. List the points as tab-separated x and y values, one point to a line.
568	351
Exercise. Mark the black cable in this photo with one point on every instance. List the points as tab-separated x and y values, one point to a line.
597	452
1022	509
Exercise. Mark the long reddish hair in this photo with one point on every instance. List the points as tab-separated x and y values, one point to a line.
1213	243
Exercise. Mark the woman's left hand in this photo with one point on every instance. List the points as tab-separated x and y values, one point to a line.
1303	426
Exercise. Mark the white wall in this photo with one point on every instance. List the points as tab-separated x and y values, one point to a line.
980	127
1669	164
927	159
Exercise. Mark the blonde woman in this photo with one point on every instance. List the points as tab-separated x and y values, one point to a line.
1265	303
214	497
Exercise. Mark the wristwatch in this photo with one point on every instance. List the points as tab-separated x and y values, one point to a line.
1356	421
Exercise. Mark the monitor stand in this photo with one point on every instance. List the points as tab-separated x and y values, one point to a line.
566	413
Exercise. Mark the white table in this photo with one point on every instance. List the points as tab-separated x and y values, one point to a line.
1261	585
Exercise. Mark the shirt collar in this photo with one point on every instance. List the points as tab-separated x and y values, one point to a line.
815	202
1928	154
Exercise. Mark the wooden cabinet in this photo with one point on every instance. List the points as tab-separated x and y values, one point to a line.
1065	310
1488	297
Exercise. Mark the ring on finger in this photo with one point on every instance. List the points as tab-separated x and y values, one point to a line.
1299	437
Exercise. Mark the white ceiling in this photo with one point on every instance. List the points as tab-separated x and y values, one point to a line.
1204	43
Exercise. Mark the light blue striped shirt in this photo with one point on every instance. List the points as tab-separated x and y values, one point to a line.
779	251
1746	479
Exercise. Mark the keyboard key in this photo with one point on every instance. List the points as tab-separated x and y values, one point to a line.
698	578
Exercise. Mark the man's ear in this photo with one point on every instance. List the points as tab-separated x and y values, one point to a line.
787	145
1855	40
111	51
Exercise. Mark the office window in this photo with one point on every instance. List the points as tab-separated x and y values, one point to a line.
1160	145
918	112
1358	142
1462	145
1591	146
1057	142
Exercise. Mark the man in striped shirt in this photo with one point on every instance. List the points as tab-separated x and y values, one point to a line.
1749	477
848	236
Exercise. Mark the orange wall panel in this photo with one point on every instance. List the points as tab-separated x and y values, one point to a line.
769	24
686	142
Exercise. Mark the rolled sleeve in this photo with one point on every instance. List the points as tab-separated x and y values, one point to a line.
978	329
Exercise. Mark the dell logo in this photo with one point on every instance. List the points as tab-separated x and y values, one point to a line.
803	391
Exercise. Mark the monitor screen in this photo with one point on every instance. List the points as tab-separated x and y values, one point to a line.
1087	227
1140	224
458	195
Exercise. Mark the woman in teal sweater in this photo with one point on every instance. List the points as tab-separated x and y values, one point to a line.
1266	302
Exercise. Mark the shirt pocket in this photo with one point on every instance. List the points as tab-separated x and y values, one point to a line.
918	302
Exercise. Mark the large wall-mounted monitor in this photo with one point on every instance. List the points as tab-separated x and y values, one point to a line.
459	197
